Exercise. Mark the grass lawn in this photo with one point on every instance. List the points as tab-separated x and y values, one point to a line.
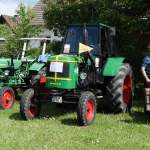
57	130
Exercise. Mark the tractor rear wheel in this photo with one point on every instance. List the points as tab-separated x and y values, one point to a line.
29	107
7	97
120	90
86	109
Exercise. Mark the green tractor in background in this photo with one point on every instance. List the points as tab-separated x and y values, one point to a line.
21	72
87	70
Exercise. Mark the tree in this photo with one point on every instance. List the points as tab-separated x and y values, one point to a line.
4	30
124	14
24	28
131	18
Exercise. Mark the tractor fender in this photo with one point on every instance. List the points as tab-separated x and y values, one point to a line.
5	63
36	66
112	66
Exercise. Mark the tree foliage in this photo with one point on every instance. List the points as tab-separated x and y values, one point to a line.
131	18
121	13
4	30
24	28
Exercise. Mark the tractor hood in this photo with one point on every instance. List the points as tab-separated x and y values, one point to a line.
64	58
6	62
62	71
36	66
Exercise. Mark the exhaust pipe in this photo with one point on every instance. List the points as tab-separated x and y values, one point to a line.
12	66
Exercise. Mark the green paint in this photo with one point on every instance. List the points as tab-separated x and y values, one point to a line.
36	66
65	58
112	66
6	62
69	82
20	73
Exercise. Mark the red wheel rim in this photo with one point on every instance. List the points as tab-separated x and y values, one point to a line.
127	89
7	99
89	110
33	110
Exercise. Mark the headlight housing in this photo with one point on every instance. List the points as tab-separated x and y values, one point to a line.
6	72
83	75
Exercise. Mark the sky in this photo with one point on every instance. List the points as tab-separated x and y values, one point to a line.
8	7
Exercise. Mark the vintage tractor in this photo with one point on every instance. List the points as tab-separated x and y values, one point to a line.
21	72
87	69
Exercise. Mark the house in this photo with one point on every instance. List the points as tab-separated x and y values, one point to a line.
38	11
8	21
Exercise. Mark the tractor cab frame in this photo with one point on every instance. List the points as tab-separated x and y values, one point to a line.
100	37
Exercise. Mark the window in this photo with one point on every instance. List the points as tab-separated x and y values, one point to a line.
88	35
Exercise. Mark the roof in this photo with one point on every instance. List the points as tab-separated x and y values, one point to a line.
9	20
38	10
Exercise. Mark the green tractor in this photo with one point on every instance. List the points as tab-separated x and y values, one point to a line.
21	72
87	70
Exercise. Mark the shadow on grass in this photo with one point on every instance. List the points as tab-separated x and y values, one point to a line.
138	118
137	114
49	110
16	116
69	121
56	110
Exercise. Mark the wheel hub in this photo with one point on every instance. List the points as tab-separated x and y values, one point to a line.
127	90
34	110
7	99
89	110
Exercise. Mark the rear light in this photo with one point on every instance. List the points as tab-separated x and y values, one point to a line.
42	80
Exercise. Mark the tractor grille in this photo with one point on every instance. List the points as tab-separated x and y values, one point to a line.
63	74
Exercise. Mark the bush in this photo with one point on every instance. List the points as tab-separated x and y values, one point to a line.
54	48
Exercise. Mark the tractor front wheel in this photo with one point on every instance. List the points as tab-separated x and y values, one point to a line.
7	97
29	106
120	90
86	109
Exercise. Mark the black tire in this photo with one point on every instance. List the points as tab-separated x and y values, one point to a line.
120	90
7	97
35	78
147	113
86	109
29	106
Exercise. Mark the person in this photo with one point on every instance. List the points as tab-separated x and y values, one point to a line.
145	69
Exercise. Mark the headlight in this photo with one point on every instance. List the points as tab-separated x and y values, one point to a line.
83	75
6	72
